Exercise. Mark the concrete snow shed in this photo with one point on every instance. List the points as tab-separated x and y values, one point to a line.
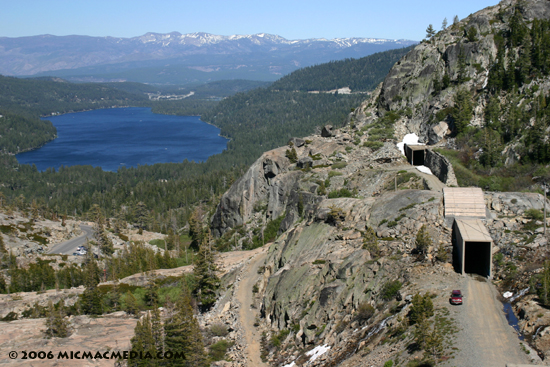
464	202
474	247
415	154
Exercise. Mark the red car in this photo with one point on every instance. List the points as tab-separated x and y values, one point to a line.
456	297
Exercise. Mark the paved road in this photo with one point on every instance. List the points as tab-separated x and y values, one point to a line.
70	246
485	338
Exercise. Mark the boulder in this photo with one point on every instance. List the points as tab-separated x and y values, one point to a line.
296	142
326	132
305	162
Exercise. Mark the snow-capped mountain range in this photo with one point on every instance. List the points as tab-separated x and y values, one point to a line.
260	56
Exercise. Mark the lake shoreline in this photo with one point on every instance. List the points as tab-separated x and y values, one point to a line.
132	137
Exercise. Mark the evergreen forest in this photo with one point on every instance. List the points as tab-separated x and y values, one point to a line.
255	120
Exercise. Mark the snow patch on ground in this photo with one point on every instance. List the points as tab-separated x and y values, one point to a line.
317	352
290	365
424	169
507	294
409	139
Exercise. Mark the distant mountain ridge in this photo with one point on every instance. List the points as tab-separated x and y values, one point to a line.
176	58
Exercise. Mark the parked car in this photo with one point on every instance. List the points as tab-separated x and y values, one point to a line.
76	254
456	297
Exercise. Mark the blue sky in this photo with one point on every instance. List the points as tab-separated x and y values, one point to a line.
292	19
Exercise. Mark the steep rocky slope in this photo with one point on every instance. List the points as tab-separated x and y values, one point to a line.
466	53
348	208
323	269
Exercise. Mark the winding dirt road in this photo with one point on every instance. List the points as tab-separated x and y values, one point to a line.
247	314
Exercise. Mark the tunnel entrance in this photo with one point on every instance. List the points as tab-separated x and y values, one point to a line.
415	154
477	258
473	247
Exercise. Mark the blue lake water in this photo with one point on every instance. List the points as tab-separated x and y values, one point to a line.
116	137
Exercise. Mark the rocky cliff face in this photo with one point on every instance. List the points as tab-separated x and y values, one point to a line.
464	53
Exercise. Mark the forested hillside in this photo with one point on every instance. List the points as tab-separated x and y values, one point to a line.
256	121
19	133
362	74
44	97
266	118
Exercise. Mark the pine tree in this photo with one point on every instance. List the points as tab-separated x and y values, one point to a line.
119	222
182	334
143	343
141	215
204	272
423	240
56	324
492	147
430	31
91	271
456	20
90	302
462	111
131	304
3	285
422	308
195	228
2	247
433	342
461	66
492	114
100	235
151	293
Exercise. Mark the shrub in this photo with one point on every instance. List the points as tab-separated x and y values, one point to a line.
390	289
272	229
534	214
498	258
339	165
277	339
12	316
292	155
334	173
218	349
340	326
370	242
336	215
364	312
441	253
342	193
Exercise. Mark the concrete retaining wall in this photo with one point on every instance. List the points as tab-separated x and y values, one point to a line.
441	167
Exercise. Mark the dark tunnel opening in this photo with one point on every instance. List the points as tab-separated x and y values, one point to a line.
477	258
418	157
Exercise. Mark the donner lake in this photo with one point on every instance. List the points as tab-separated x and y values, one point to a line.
117	137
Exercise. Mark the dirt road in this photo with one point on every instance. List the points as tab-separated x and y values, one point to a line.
485	339
247	315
